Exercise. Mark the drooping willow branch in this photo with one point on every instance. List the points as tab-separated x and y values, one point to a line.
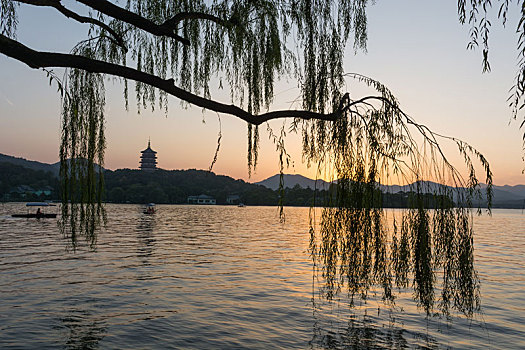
168	28
179	17
252	51
363	140
480	15
82	149
38	59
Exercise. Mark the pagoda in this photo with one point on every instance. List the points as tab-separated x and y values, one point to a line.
148	159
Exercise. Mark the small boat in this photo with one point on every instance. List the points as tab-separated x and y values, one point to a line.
40	214
35	215
150	209
241	205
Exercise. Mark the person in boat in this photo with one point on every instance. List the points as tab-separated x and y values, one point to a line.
38	212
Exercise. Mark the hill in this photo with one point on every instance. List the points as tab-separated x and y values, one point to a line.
20	183
292	180
503	196
31	164
517	189
174	186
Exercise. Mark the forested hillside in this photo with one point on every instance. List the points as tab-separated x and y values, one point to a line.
20	183
174	186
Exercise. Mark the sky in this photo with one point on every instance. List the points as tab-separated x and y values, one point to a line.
416	48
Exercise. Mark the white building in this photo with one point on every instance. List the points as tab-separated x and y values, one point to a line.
201	199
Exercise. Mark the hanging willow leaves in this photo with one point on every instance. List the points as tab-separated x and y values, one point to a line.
189	49
82	155
479	15
429	245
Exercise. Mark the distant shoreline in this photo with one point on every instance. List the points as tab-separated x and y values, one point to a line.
267	205
22	180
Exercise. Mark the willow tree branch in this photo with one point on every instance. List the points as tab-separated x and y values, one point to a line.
132	18
38	59
179	17
73	15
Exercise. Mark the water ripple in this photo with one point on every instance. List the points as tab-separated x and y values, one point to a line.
197	277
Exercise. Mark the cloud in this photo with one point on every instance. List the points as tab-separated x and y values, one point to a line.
7	99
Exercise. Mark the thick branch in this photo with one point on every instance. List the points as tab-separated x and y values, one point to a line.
173	22
38	59
82	19
138	21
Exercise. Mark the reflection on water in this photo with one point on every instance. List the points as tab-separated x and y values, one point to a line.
364	333
357	249
83	328
81	220
227	277
145	238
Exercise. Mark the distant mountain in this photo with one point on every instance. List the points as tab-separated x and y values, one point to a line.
500	193
503	196
291	180
31	164
508	194
517	190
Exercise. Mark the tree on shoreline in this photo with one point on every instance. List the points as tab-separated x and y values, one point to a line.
178	47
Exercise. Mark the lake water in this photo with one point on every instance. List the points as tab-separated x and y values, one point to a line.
213	277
